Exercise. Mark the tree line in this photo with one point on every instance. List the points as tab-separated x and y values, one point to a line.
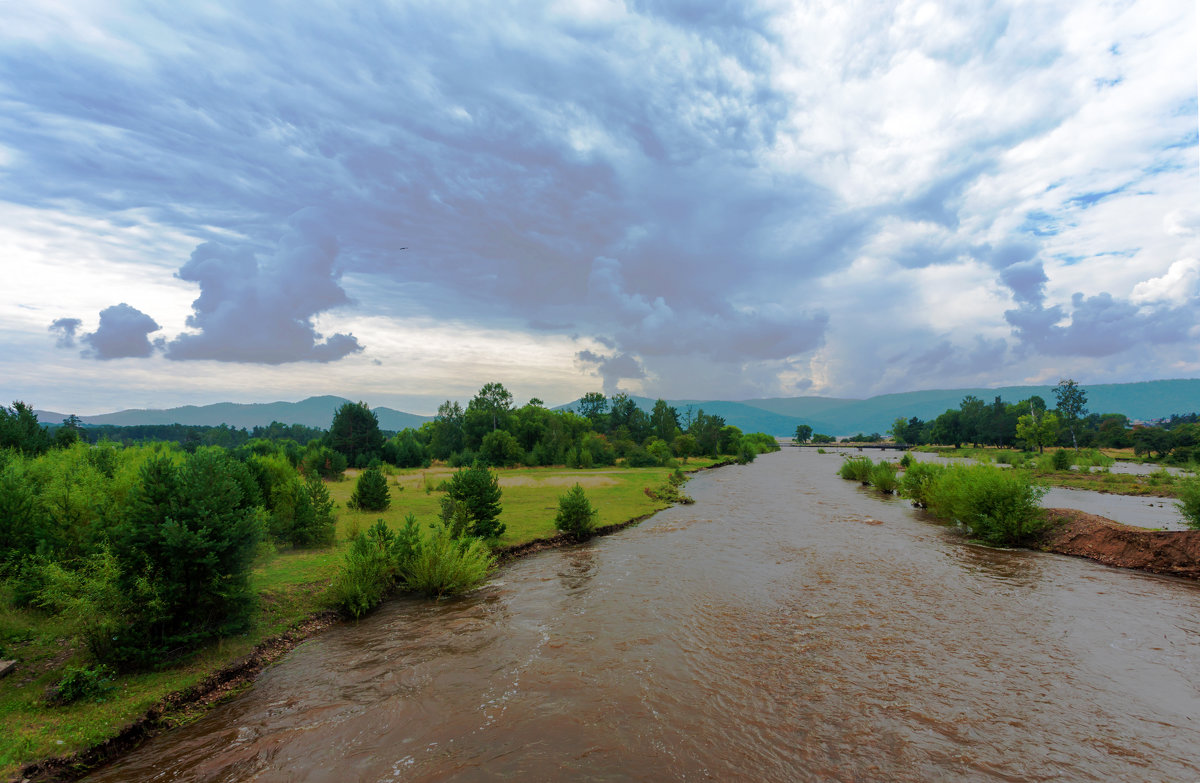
1031	424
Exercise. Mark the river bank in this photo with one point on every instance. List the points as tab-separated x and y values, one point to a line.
182	706
1077	533
788	625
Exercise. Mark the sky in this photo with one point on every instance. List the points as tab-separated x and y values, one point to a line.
400	202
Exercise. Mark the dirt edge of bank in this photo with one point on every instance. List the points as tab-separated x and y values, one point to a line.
1169	552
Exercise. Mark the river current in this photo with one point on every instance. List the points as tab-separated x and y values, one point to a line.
789	626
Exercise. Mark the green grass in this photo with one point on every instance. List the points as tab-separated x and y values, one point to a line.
291	586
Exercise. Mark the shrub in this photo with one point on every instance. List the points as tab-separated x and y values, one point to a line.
368	573
575	517
637	457
81	682
1189	501
324	461
998	507
883	477
1061	460
371	491
499	449
746	452
478	489
916	481
856	469
907	461
445	564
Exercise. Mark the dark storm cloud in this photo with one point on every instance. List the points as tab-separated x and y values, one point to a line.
653	178
122	334
66	328
261	310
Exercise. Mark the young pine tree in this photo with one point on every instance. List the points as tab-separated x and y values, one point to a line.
576	517
371	491
477	488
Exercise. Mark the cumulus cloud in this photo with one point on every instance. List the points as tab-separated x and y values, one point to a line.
261	310
123	333
1180	284
65	328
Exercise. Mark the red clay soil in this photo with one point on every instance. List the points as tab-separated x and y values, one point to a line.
1176	553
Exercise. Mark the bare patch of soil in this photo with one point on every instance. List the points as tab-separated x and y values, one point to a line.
1172	552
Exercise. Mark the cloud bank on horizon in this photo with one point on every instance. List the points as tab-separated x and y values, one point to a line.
724	199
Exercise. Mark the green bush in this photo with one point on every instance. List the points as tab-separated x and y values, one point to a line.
575	517
917	480
907	460
746	452
883	477
81	682
368	573
856	469
445	564
1061	460
1189	500
998	507
371	492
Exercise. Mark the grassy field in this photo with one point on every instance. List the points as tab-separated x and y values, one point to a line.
291	586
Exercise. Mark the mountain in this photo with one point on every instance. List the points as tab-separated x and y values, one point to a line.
1140	401
312	412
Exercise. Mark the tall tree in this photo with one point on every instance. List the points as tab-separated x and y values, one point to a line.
492	405
803	433
355	433
447	436
664	420
19	429
1071	399
592	407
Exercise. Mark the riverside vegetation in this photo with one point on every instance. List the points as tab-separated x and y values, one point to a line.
130	572
996	506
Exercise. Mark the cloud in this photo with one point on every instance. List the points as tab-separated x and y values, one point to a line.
1179	285
122	334
693	186
1098	326
1027	279
66	328
261	310
613	368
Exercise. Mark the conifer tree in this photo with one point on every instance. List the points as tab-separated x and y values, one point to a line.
371	492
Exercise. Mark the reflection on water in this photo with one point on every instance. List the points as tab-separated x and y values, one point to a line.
789	626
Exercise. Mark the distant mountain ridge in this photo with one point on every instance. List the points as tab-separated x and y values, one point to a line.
1141	401
312	412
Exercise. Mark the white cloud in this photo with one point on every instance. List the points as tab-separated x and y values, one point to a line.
1179	285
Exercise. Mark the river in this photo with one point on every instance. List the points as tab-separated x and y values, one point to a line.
789	626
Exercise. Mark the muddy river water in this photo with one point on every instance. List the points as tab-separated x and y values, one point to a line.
789	626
